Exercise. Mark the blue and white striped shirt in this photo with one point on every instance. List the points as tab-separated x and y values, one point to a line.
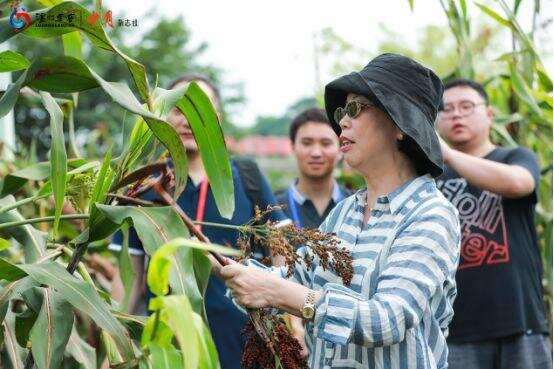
396	311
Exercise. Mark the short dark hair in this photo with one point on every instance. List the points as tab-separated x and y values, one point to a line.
315	115
465	82
189	77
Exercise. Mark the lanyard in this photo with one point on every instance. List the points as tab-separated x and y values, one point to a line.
294	209
201	207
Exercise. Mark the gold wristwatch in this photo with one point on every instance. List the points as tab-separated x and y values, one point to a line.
308	310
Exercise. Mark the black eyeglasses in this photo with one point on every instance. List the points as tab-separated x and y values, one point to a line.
353	108
465	108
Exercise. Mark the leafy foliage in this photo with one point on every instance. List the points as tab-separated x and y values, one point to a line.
46	307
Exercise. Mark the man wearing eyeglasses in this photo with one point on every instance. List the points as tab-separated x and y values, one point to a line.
499	319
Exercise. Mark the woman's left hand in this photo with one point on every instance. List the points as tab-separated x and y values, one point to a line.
252	288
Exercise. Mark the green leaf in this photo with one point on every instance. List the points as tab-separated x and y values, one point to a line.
177	313
172	141
165	357
209	358
13	289
11	61
33	297
58	156
9	98
14	181
494	15
10	272
523	91
36	172
15	352
83	297
122	95
96	35
140	137
163	336
158	270
156	226
202	271
463	6
81	351
32	240
60	74
66	74
4	244
101	186
72	44
204	123
544	79
517	3
126	270
23	323
51	331
114	357
49	2
165	100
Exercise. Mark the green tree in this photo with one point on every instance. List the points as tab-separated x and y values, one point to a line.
165	48
279	125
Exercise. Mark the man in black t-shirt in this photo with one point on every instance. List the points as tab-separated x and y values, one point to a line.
499	319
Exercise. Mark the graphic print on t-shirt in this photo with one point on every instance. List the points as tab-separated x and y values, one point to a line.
484	234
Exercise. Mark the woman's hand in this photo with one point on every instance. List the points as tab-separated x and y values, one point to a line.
252	288
216	265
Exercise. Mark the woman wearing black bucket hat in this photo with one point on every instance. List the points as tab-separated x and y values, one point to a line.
402	233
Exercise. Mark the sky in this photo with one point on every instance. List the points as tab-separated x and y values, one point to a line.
268	46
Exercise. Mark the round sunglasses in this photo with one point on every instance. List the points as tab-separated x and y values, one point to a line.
352	108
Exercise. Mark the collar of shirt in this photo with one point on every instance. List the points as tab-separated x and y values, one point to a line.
299	198
395	200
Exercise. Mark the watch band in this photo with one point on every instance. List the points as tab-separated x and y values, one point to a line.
310	298
308	310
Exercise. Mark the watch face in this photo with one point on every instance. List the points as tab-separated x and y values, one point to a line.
308	312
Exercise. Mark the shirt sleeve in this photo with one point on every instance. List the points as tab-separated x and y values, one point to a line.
526	159
422	258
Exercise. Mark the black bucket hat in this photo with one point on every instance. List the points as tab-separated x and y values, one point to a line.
408	92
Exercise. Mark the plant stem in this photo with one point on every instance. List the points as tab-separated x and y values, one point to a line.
82	268
74	151
130	200
22	202
188	222
42	220
52	255
76	258
240	228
